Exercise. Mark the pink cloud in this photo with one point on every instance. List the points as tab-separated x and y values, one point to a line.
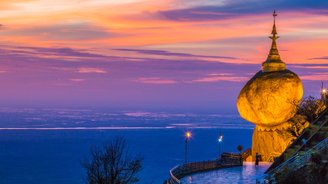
312	67
155	80
316	77
92	70
77	80
221	77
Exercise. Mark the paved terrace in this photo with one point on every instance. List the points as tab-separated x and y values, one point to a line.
229	169
247	174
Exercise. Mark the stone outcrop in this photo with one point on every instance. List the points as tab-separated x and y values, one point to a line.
271	142
270	98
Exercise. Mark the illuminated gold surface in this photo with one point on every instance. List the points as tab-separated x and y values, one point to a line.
273	62
270	100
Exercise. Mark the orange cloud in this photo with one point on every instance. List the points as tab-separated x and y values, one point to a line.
12	4
138	24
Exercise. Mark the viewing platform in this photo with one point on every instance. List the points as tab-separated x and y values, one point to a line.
226	161
218	171
246	174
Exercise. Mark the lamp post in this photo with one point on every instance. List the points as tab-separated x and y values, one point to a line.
324	95
220	142
187	138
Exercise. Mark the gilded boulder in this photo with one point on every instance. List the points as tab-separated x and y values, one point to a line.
270	98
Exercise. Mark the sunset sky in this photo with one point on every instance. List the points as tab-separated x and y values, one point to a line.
167	55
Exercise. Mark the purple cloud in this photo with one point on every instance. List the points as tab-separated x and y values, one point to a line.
43	51
80	31
34	78
91	70
319	58
155	80
237	8
167	53
219	77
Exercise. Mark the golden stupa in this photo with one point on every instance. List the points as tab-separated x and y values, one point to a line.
270	100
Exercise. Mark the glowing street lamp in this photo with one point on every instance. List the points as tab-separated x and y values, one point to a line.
220	138
188	135
323	94
220	143
187	138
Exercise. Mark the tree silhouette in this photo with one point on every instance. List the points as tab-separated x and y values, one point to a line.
112	164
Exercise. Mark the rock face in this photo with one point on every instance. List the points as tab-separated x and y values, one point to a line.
270	143
270	98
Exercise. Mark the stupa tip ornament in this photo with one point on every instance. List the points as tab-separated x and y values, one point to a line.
273	62
269	100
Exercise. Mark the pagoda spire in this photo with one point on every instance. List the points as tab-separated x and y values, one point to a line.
274	53
273	56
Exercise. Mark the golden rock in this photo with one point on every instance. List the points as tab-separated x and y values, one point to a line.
270	98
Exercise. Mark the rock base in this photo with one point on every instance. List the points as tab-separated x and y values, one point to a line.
270	143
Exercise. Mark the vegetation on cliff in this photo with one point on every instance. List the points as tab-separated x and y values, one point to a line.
316	171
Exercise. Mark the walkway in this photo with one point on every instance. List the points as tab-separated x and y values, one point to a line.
248	174
227	160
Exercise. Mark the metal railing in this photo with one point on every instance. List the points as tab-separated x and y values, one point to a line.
297	161
172	176
181	171
325	123
299	140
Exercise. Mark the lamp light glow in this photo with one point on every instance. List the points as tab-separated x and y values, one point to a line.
188	135
220	138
